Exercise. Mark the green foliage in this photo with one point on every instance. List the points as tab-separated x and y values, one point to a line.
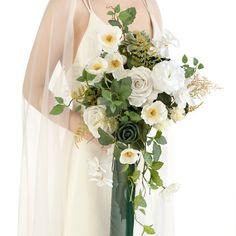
156	152
57	109
139	201
86	76
105	138
148	229
60	100
127	16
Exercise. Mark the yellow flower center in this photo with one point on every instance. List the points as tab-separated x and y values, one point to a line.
129	154
152	112
109	38
115	63
96	66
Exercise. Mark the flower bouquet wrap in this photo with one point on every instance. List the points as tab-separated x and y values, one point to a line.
129	95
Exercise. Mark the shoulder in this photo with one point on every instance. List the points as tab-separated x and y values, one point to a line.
155	9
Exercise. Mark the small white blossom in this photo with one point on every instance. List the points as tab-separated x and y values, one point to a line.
130	156
115	62
97	66
154	113
110	39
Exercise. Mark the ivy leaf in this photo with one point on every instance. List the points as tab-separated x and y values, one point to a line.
201	66
117	8
125	88
127	17
110	13
189	72
114	23
86	76
157	165
148	157
143	211
107	95
135	176
139	201
184	59
59	100
195	61
161	140
148	229
105	138
155	177
58	109
156	151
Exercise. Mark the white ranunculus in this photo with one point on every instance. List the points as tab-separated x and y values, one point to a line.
154	113
169	190
110	39
168	77
182	97
130	156
95	117
97	66
115	62
142	85
177	114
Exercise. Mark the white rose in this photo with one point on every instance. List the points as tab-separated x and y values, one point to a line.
141	85
97	66
115	62
110	39
168	77
154	113
95	117
130	156
177	114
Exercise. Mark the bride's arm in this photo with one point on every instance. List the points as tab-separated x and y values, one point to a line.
46	52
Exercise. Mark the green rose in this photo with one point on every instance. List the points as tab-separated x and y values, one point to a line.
128	132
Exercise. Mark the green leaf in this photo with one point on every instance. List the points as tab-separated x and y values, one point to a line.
125	168
201	66
110	13
86	76
117	8
78	108
156	151
135	117
114	23
184	59
149	229
135	176
124	119
148	157
105	138
127	17
58	109
118	103
143	211
59	100
189	72
113	108
157	165
107	95
125	88
195	61
155	177
161	140
139	201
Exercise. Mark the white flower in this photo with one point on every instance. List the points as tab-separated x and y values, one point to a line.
97	171
121	74
182	97
168	77
162	126
115	62
154	113
141	85
97	66
162	45
110	39
177	114
130	156
169	190
95	117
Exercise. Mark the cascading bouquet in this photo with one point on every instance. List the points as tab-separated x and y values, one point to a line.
131	90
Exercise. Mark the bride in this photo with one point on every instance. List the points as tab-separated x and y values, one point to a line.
66	182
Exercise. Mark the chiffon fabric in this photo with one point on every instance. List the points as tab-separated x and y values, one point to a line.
57	195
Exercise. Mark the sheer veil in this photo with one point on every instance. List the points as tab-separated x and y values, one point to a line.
45	166
44	171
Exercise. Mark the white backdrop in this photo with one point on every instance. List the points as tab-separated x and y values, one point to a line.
202	144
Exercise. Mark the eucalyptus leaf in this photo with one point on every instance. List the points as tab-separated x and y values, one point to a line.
58	109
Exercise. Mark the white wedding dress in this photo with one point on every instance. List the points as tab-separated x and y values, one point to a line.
71	204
